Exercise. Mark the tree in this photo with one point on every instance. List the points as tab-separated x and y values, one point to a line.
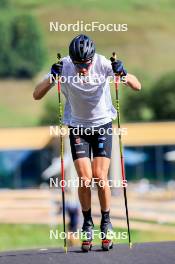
4	3
22	54
134	105
5	57
162	98
28	52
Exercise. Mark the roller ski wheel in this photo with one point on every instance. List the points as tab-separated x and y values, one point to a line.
107	244
107	234
86	246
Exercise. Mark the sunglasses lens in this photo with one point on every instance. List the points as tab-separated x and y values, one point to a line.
84	65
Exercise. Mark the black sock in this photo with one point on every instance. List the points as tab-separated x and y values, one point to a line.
87	215
105	218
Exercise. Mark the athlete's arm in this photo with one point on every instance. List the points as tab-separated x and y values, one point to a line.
42	88
132	82
129	79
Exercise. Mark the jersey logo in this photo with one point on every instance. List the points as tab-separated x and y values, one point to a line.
100	145
101	138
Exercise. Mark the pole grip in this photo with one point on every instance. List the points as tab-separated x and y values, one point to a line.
116	78
59	84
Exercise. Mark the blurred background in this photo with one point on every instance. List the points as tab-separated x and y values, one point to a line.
29	156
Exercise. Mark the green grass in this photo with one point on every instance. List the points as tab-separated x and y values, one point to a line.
37	236
107	5
17	106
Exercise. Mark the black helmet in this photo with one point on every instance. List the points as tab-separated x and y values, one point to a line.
81	48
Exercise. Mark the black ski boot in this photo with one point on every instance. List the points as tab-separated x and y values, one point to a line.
87	235
107	233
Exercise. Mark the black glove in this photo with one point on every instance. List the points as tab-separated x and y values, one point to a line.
56	69
118	68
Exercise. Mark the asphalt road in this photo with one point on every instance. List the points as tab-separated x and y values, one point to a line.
146	253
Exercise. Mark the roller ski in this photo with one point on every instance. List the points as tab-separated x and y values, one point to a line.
107	235
87	236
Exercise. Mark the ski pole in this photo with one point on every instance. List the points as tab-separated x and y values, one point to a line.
116	80
62	156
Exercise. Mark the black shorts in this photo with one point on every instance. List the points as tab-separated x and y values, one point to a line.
84	141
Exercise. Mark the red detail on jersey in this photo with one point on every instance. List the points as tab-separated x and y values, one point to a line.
78	140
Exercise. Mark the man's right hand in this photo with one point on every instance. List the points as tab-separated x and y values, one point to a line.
56	69
118	68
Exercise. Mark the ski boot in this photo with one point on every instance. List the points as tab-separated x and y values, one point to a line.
107	235
87	235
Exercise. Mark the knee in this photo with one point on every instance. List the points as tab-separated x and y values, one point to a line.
84	175
84	181
99	176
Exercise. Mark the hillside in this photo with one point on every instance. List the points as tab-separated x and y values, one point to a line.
146	48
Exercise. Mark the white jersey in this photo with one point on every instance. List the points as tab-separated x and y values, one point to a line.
88	99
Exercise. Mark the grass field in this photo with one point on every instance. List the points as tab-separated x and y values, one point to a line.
109	5
146	48
17	106
37	236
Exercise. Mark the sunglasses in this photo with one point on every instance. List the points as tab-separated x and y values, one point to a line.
84	64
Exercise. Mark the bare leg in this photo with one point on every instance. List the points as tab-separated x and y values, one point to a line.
100	167
84	171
